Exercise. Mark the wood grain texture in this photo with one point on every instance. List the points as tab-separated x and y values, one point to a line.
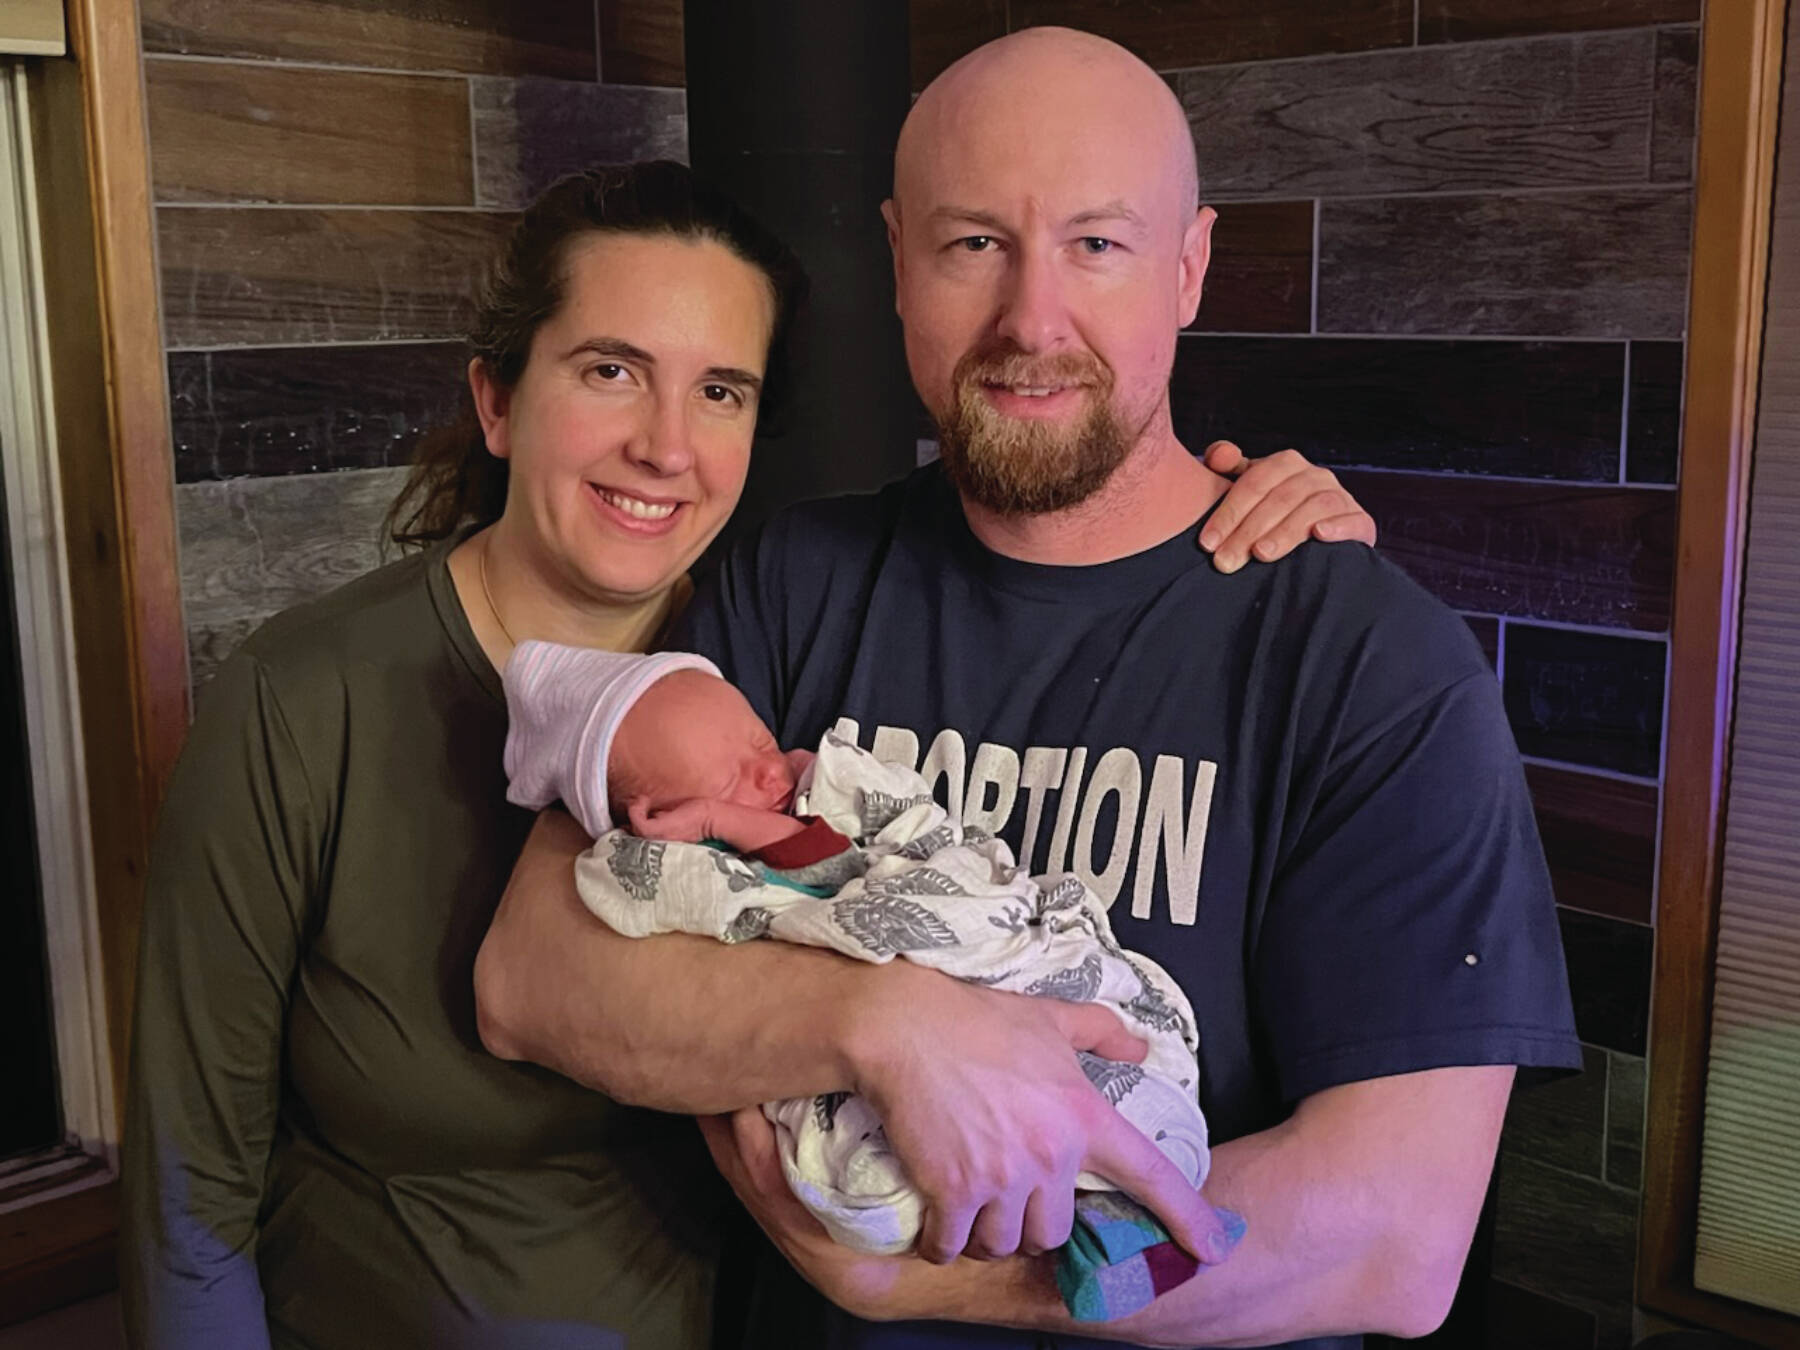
1599	835
258	277
1522	1319
1677	93
1569	1240
1740	82
643	42
1261	274
1625	1120
257	132
1552	112
1587	264
1609	975
58	1251
530	132
1562	1122
1524	409
251	547
1206	32
1487	635
943	30
287	410
1592	699
1469	20
1600	556
489	37
1653	430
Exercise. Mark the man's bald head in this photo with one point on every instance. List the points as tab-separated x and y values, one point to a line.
1048	84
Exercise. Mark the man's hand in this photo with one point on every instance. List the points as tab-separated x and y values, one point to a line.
1276	503
987	1108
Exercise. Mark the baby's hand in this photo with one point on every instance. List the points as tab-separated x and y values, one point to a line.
686	822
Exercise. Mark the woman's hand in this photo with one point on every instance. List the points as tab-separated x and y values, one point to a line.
1274	505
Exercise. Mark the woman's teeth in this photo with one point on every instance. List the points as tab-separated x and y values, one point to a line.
631	506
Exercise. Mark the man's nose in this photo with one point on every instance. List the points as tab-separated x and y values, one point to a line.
662	442
1034	313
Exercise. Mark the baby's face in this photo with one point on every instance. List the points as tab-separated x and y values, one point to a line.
694	735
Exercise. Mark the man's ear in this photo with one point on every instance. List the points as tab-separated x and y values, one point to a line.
1196	255
890	212
493	403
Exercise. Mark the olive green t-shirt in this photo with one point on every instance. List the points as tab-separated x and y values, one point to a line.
315	1137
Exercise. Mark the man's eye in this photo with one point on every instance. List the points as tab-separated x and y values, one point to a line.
977	243
1095	244
607	370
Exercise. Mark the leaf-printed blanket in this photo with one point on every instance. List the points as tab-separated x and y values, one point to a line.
937	894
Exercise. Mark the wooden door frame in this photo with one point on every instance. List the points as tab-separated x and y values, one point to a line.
1739	96
111	411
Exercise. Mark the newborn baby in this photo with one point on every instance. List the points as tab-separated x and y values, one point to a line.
839	850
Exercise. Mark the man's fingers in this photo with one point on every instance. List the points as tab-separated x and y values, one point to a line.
1049	1217
944	1234
1091	1027
1135	1165
997	1228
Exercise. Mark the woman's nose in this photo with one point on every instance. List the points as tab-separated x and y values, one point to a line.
662	444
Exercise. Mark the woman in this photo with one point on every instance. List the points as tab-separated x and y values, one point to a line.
319	1152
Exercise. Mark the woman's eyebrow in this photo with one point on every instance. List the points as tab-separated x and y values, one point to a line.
611	346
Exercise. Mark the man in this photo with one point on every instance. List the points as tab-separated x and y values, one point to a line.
1295	782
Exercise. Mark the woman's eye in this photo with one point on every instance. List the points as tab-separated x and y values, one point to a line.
720	393
1095	244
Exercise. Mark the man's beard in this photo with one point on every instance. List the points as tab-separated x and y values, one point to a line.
1024	467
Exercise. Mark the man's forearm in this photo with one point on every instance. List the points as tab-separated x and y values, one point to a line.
674	1022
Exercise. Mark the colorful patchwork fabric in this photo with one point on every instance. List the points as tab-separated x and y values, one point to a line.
1119	1257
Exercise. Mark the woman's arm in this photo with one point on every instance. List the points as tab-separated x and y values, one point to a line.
224	901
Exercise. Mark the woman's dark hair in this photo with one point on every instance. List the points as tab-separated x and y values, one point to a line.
454	480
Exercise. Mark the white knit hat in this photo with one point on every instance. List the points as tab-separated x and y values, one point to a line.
564	706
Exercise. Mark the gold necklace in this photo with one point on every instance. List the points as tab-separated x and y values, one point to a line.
487	595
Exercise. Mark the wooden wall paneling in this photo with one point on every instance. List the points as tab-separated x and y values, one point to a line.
1568	1238
542	37
1625	1121
1562	1122
1740	81
943	30
1579	264
529	132
643	42
1586	698
1653	423
1261	276
1469	20
1551	112
1203	32
1586	555
1487	635
1609	973
269	275
269	411
1600	838
1525	409
261	132
57	1252
1672	128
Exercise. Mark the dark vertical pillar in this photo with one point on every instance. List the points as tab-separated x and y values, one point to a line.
793	108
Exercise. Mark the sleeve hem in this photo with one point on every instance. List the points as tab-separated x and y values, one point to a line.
1523	1047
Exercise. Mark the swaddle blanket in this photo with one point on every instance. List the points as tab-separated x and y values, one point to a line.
936	893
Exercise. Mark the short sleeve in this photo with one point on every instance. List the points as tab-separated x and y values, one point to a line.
232	864
1411	923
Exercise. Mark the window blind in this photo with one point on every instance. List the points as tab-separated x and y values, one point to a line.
1748	1243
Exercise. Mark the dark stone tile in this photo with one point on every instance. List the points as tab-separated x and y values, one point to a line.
1673	125
1586	264
529	133
944	30
1554	112
1569	1240
1562	1122
1519	1319
1487	633
1653	423
1609	977
1260	278
1600	838
247	276
642	42
1586	698
1625	1121
544	37
1594	555
263	132
1523	409
287	410
1206	32
1467	20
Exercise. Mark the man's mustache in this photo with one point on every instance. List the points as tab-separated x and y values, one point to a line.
1017	367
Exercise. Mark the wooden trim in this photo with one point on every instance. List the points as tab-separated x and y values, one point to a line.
58	1252
117	467
1740	94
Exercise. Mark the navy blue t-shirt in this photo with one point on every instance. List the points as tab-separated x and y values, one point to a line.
1295	785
